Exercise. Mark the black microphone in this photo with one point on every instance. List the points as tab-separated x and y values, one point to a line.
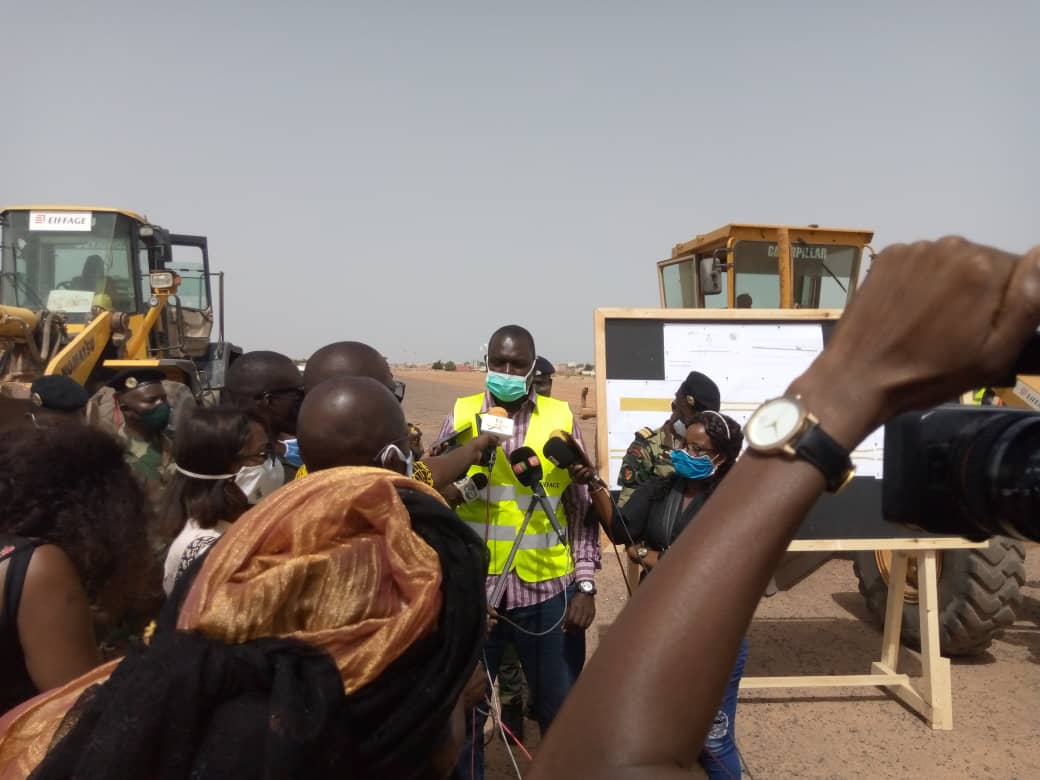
563	451
527	468
528	471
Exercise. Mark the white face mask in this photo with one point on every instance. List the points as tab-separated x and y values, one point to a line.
259	481
386	454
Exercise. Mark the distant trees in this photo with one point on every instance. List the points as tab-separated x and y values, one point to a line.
450	365
437	365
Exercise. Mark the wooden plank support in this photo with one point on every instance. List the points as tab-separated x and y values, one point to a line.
825	681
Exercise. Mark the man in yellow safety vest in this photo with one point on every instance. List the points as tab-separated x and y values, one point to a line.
548	588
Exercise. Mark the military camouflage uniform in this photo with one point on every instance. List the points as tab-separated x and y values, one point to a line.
647	457
152	464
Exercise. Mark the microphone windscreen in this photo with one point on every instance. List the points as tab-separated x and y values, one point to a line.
480	481
497	411
563	451
526	466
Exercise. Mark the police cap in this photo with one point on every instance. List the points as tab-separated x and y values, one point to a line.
700	392
59	393
133	378
543	367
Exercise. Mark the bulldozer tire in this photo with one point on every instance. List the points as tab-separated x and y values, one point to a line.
979	591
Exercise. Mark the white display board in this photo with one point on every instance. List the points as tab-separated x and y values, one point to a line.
751	362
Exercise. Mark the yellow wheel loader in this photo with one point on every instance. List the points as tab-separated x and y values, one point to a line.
809	267
88	291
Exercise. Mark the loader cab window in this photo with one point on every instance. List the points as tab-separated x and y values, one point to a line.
677	280
189	263
680	283
67	261
823	274
756	283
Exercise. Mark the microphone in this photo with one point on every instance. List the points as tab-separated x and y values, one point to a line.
471	487
528	471
562	451
527	468
496	421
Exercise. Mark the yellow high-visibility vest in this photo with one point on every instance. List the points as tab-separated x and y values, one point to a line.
497	518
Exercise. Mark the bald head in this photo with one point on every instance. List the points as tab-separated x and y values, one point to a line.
259	372
347	421
267	383
346	358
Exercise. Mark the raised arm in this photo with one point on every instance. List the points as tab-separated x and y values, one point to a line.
932	320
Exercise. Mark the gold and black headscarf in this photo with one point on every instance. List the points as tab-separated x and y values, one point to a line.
328	633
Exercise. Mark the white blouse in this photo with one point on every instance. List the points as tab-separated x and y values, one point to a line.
190	543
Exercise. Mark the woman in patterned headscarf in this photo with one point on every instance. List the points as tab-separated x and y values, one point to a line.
329	633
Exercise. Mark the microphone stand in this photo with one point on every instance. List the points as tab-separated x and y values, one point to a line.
538	500
500	583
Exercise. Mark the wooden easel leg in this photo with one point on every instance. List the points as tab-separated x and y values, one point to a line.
632	574
935	668
894	611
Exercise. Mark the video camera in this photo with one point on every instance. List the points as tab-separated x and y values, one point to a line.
970	471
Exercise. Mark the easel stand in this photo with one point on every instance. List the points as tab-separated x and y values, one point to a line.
930	695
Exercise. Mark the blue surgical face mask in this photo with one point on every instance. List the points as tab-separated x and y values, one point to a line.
292	452
508	387
689	467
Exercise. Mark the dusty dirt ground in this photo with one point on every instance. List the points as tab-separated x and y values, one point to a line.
820	627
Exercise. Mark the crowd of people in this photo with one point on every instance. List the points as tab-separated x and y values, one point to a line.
288	585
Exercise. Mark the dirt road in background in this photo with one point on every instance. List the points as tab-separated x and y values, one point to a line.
821	627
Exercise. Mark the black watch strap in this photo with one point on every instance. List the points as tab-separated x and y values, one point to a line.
827	455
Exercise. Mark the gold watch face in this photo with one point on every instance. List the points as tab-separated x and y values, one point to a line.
774	423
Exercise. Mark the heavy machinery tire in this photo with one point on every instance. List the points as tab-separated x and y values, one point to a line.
978	593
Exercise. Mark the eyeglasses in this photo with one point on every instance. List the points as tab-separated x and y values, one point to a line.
267	453
292	393
697	452
398	390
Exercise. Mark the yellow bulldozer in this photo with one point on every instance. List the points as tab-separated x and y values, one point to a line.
87	292
809	267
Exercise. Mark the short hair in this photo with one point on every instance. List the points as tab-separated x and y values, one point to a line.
515	332
250	375
344	358
346	420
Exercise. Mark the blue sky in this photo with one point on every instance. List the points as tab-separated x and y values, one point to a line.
415	174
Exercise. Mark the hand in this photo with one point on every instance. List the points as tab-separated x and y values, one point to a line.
581	474
452	495
492	620
478	444
649	560
581	611
932	320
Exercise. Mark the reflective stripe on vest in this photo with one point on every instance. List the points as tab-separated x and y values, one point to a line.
501	533
498	517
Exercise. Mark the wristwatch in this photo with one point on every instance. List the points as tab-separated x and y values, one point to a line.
588	587
641	552
783	426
